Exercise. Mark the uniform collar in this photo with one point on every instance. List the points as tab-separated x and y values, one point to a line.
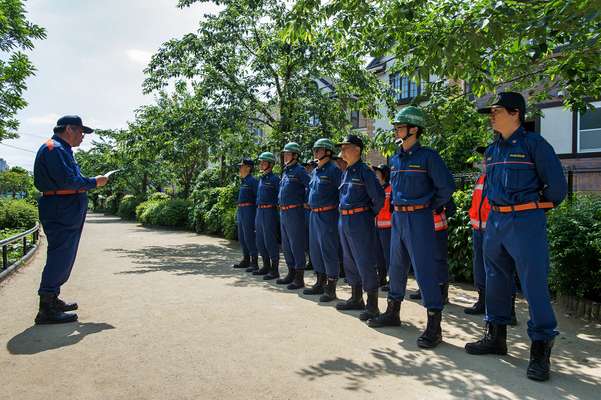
515	136
412	150
323	167
61	141
289	167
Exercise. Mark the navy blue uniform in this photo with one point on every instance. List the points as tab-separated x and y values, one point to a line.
292	198
266	222
520	170
245	216
418	177
323	220
360	189
62	217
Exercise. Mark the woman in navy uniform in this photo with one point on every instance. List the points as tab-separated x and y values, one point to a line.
245	216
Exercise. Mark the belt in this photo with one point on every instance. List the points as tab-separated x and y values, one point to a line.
323	209
354	211
286	208
245	204
266	206
65	192
533	205
411	208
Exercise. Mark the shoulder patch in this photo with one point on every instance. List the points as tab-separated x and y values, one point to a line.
50	144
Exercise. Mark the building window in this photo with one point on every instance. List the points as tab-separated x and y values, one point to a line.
355	119
589	131
403	88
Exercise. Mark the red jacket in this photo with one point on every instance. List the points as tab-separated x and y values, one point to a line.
480	206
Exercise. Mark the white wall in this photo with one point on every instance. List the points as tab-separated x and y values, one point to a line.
556	127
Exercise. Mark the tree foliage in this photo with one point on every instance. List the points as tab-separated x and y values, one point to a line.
16	34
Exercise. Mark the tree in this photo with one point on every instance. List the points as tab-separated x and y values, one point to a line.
241	59
16	180
532	46
16	34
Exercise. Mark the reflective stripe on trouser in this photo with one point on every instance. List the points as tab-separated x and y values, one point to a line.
246	230
267	225
519	239
294	234
62	218
324	242
358	239
411	243
441	255
384	240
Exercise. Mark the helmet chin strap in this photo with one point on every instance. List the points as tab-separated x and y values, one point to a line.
400	141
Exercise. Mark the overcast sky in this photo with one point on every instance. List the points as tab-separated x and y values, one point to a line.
91	63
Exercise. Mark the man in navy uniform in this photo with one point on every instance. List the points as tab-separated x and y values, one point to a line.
361	198
245	216
292	199
421	183
62	209
323	221
524	178
266	222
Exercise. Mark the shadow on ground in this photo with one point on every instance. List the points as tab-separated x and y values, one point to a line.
459	374
39	338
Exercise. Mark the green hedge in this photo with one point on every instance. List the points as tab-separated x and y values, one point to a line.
214	211
17	214
164	212
460	238
575	247
127	207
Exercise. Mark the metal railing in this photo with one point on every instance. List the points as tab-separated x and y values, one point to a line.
5	244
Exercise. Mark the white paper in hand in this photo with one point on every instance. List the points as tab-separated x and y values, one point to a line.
108	174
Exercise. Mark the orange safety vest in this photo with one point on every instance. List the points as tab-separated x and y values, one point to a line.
440	221
480	206
384	217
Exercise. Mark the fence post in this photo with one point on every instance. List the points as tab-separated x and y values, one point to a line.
24	245
4	256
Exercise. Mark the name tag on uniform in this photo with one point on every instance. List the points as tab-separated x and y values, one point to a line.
517	155
356	180
414	166
324	178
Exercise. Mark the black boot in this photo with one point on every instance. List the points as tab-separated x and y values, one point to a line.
514	319
371	309
309	266
318	287
432	336
62	306
416	296
493	342
385	288
49	312
244	263
478	307
391	317
265	268
355	302
540	360
287	279
253	265
274	272
444	291
330	291
382	276
299	280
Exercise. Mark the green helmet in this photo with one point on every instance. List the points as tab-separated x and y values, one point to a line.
292	147
267	156
411	116
324	143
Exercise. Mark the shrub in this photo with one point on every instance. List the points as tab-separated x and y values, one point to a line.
574	231
127	207
460	238
157	196
17	214
214	211
164	212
